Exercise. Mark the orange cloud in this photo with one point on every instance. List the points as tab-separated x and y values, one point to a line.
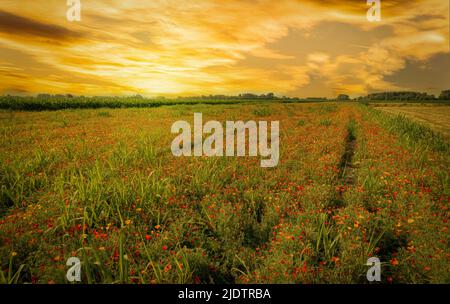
205	47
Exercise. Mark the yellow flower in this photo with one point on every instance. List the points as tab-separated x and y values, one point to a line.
411	248
13	253
128	222
410	221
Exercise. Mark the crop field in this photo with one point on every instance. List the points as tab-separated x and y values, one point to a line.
102	185
436	117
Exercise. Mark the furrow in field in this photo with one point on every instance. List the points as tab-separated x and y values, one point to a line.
399	204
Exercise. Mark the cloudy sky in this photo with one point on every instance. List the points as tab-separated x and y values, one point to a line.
299	48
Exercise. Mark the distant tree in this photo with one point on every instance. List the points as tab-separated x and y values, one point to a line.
316	98
402	96
445	95
343	97
43	96
249	96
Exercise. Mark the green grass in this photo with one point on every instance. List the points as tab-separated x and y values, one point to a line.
59	103
413	132
19	103
325	122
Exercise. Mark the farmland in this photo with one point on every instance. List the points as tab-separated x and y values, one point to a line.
436	117
102	185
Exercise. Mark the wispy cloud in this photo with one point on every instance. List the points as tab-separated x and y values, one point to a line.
18	25
202	47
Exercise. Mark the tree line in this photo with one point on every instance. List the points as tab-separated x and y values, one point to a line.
406	96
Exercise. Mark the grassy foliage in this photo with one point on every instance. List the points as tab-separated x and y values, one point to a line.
413	132
59	103
52	103
432	116
103	186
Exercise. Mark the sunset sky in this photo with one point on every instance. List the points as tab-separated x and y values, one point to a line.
299	48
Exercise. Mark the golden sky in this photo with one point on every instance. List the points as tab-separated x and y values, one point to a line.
176	48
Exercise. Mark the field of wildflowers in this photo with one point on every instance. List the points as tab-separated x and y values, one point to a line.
102	185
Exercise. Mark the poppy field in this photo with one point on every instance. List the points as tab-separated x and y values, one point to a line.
102	185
